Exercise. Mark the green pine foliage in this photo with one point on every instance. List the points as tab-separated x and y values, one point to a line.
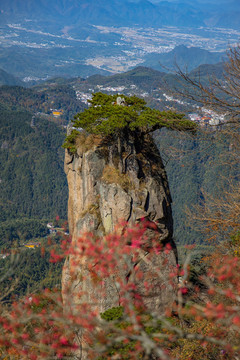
69	142
105	117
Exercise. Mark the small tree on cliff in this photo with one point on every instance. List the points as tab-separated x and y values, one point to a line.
112	114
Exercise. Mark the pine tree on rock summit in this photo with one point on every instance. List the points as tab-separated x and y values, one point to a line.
112	114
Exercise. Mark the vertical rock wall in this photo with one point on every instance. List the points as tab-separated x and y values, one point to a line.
120	179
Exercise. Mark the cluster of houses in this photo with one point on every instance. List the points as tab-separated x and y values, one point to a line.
83	97
53	230
208	118
205	117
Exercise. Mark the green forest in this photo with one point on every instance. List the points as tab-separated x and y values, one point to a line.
28	271
42	99
200	168
33	184
33	192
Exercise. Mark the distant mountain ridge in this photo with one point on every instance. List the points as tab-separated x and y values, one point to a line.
145	76
58	13
187	58
141	75
8	79
98	12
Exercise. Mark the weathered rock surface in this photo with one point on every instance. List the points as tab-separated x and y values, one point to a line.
120	179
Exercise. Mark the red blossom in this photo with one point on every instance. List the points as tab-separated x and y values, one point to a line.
184	290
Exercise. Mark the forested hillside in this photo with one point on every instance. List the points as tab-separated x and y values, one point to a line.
200	168
33	184
42	100
30	272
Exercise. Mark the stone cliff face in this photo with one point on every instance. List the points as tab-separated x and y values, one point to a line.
115	179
